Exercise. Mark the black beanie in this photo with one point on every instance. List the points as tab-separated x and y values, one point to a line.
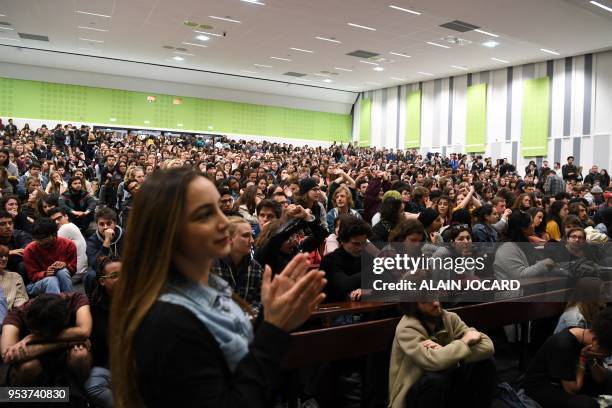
307	184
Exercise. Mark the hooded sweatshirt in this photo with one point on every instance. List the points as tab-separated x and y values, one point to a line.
95	247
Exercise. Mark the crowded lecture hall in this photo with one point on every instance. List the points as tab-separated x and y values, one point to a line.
400	204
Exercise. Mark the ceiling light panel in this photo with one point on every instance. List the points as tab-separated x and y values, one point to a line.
328	39
405	10
361	26
301	50
229	19
93	14
195	45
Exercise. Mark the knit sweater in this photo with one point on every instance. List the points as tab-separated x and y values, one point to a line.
37	259
410	360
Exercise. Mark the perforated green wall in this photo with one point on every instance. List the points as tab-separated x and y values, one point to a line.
60	102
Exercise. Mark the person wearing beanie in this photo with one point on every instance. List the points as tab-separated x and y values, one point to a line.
431	222
310	199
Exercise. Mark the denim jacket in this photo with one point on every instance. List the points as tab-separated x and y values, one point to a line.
213	306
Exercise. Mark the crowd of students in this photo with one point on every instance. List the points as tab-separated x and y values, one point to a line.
222	236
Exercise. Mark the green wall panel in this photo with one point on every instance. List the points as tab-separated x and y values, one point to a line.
413	120
476	123
536	106
62	103
365	122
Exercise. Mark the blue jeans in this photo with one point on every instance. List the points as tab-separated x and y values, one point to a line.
60	282
97	387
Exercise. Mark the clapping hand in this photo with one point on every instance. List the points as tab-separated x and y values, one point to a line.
290	297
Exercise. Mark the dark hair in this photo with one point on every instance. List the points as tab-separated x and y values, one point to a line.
555	209
51	199
352	227
43	228
516	222
405	228
6	198
106	213
602	328
55	210
268	203
98	293
5	214
47	315
461	216
389	210
455	230
483	212
540	229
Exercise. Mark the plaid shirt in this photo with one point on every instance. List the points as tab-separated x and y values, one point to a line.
245	279
554	185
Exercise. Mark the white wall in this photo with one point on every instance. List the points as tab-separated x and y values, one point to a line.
580	124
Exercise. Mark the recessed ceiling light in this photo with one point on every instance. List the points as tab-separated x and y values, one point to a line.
231	20
399	54
263	66
93	14
7	28
91	28
248	72
328	39
202	37
89	39
603	6
425	73
379	69
327	80
406	10
184	53
254	2
344	69
206	33
459	67
490	44
486	33
361	26
397	79
196	45
177	58
281	59
10	39
301	49
500	60
437	45
368	62
549	51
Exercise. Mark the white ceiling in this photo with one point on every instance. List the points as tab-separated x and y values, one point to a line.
138	30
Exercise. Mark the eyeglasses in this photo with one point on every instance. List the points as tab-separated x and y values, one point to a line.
113	275
459	226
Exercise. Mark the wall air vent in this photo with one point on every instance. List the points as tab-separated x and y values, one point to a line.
460	26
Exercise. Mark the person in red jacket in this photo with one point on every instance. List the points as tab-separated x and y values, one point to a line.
50	261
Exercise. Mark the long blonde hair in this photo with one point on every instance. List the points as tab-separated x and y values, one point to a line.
145	266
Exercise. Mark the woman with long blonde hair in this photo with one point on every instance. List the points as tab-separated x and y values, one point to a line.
178	336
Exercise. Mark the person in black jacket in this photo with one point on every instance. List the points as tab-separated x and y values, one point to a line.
16	241
78	204
181	338
343	266
279	241
106	241
98	384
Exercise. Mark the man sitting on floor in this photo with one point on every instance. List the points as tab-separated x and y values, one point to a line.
45	335
438	361
50	260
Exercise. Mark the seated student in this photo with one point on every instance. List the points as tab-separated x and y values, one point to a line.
16	241
66	229
267	210
342	201
78	203
49	331
343	266
438	361
50	261
97	385
11	284
584	307
10	203
239	268
568	369
106	241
